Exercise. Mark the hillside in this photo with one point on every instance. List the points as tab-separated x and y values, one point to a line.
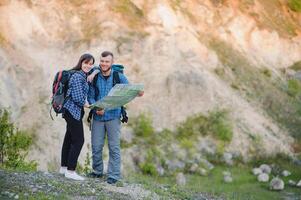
193	57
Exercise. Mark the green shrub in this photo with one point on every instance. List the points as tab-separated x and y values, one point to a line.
14	145
186	143
216	124
142	126
295	5
148	168
293	87
221	127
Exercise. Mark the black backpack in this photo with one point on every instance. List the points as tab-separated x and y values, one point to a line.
59	90
116	80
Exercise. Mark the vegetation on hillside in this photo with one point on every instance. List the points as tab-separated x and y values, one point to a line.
14	145
278	98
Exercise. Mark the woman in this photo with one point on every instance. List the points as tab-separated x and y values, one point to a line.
73	114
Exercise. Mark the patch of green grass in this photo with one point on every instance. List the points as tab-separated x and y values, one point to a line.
295	5
293	87
244	185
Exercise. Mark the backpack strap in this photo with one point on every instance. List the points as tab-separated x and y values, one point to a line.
94	84
116	80
58	79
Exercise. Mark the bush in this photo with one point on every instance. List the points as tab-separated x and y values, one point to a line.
293	87
149	169
220	125
142	126
295	5
14	145
215	124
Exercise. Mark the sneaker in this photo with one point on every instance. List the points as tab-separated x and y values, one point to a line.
63	170
73	175
94	175
111	181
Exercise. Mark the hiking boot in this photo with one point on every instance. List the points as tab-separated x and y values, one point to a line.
63	170
94	175
73	175
111	181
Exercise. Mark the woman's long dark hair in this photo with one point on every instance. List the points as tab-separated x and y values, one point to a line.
84	58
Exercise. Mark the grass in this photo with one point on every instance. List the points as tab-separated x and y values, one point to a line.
295	5
133	15
244	185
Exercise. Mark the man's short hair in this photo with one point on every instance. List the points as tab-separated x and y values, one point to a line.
107	53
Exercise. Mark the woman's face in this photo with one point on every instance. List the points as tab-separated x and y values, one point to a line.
87	65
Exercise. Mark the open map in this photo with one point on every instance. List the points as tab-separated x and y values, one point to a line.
118	96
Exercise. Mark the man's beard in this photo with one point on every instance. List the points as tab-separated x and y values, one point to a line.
105	70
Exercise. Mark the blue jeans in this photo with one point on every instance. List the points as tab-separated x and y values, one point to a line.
99	130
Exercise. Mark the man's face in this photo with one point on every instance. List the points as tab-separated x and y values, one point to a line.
106	63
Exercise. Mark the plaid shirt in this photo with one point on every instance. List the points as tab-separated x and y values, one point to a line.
104	86
77	94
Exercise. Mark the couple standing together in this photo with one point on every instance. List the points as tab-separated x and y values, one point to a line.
105	122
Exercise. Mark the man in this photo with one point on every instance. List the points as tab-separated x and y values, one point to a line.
106	122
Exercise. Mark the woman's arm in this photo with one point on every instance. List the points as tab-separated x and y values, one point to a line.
77	91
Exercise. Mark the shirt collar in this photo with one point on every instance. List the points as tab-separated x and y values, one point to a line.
81	72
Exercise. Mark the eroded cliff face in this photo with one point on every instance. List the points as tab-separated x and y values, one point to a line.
175	48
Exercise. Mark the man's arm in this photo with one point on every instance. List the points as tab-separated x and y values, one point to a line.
95	71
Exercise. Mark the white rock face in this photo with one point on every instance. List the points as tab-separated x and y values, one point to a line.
263	177
265	168
276	184
181	179
256	171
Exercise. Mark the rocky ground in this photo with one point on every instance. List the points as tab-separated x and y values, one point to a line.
26	185
45	185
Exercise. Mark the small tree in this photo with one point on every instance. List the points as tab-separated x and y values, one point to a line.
14	145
